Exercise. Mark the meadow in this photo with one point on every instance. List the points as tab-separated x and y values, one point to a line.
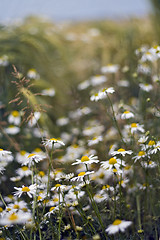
79	130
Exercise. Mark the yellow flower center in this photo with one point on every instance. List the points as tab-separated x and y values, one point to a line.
31	155
75	146
125	112
24	209
133	125
57	185
114	170
141	153
112	161
16	206
24	168
117	222
41	174
81	174
55	200
52	208
101	176
15	113
1	149
25	189
1	209
121	150
39	198
54	139
96	94
150	162
22	152
13	217
127	167
84	159
151	143
37	150
8	209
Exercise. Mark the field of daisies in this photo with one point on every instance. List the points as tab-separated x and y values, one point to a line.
79	131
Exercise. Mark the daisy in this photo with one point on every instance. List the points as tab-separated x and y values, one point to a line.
31	190
95	140
62	121
134	127
113	165
48	92
105	91
150	164
110	68
118	225
4	153
32	73
51	211
96	97
81	176
24	171
35	117
86	160
141	154
146	87
33	158
15	218
52	142
12	130
122	152
127	115
14	118
21	156
83	85
97	80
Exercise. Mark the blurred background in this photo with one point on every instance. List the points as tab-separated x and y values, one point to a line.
59	44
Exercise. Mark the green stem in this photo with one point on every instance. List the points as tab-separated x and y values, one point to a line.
114	118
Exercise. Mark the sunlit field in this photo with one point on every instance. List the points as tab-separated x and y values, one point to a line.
79	130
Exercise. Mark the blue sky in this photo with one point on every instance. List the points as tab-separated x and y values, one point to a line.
72	10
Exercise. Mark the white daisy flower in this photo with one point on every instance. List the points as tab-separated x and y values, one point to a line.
51	211
118	225
36	116
32	73
15	218
21	156
81	176
86	160
4	153
146	87
83	85
110	68
113	165
97	80
31	190
122	152
62	121
141	154
134	127
12	130
32	159
95	140
127	115
103	93
150	164
96	97
48	92
52	142
14	118
24	171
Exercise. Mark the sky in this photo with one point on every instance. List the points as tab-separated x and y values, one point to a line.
72	10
